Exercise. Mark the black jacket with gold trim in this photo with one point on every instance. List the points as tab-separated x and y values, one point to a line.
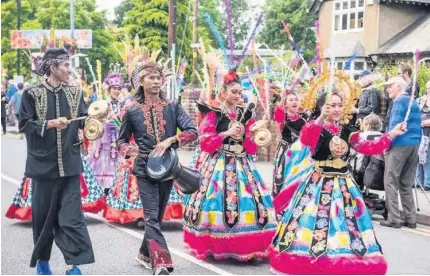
51	153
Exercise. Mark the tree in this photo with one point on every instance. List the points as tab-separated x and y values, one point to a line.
294	12
55	14
121	11
9	22
241	21
149	20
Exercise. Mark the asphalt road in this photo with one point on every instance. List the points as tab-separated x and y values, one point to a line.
115	246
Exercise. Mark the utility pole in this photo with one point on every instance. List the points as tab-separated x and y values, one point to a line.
195	37
18	58
172	34
72	25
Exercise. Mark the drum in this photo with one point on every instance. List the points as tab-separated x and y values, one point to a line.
168	167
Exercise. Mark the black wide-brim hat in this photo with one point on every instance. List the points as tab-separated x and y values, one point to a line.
54	55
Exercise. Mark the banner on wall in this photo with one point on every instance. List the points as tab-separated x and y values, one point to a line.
32	39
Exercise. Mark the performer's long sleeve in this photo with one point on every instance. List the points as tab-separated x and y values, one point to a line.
310	135
279	116
186	125
28	122
369	147
210	140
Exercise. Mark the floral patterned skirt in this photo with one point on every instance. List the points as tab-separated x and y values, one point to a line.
232	214
327	229
92	196
292	161
299	165
123	201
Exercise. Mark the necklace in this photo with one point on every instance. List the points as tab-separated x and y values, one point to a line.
232	116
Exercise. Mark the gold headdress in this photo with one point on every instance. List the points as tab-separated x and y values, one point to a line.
350	92
139	61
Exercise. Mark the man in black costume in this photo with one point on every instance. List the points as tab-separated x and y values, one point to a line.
153	121
54	165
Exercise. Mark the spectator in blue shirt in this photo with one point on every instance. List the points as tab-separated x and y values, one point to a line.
16	100
401	160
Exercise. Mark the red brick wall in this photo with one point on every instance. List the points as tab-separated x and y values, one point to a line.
188	101
188	98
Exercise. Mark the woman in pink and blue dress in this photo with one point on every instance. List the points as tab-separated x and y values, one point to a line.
232	215
326	228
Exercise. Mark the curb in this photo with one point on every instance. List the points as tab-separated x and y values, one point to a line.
421	219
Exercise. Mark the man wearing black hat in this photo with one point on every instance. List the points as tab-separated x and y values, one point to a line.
54	164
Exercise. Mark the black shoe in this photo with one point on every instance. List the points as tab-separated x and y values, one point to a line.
427	189
409	225
386	223
161	271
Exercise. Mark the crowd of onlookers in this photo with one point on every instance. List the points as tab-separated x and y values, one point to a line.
10	103
406	162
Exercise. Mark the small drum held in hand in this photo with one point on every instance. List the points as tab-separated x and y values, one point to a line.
167	167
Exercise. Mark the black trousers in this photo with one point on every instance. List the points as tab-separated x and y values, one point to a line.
154	197
3	124
57	215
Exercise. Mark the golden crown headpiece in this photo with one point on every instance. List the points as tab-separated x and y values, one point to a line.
349	90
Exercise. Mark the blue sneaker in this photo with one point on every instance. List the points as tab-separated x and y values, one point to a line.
43	268
74	271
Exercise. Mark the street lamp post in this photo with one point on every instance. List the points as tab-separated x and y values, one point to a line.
18	58
72	25
172	33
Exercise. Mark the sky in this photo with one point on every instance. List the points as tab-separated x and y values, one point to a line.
110	6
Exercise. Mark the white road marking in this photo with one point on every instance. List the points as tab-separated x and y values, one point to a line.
138	235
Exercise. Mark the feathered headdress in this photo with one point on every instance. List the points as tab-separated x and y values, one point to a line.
140	62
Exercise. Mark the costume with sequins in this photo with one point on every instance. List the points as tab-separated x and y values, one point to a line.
326	228
232	215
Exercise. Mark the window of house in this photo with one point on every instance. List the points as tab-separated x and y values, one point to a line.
339	65
348	15
359	66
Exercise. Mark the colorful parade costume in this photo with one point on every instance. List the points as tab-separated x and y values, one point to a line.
300	165
231	216
290	127
326	228
104	155
92	196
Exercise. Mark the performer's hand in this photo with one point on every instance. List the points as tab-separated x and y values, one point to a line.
60	123
96	155
325	110
399	129
232	131
81	135
162	147
132	151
